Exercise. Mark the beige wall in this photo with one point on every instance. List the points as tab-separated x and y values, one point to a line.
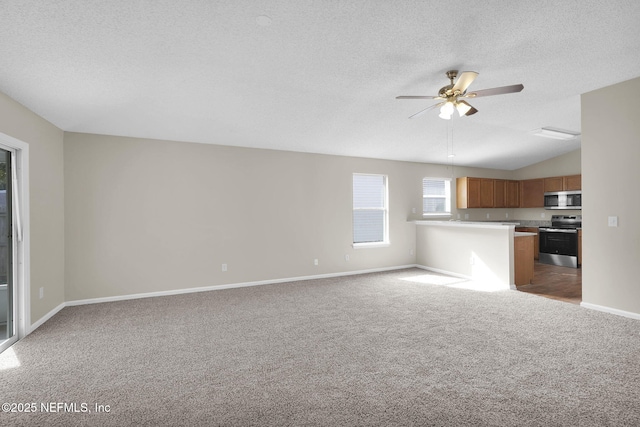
566	164
611	176
46	202
147	215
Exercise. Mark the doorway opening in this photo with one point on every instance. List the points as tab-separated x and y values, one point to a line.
7	304
14	259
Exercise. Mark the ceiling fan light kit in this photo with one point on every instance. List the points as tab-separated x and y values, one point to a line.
556	134
463	108
446	111
451	93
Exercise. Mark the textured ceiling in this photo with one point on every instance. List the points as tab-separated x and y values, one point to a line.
323	76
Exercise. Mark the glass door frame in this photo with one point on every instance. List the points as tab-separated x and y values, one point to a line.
21	254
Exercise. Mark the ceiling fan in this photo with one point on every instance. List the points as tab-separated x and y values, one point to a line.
451	93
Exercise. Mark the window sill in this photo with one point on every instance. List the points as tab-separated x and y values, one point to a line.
371	245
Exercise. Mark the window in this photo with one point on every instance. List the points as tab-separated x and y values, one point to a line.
436	197
370	210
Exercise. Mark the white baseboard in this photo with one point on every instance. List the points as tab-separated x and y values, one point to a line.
46	317
610	310
53	312
229	286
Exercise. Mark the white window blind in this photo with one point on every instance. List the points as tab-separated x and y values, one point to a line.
436	196
370	212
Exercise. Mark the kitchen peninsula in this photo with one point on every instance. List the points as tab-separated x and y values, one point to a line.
483	252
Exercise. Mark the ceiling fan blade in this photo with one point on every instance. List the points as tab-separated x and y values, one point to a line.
419	97
421	112
471	110
494	91
464	80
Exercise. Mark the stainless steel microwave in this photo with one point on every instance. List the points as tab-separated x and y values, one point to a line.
563	200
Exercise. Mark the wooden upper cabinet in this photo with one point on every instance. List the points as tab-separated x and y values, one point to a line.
506	193
573	182
555	183
467	193
486	193
512	194
532	193
563	183
502	193
499	193
474	192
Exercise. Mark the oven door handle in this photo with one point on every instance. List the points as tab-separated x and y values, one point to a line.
558	230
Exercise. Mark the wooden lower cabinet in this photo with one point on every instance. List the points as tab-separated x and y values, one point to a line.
580	247
523	259
536	240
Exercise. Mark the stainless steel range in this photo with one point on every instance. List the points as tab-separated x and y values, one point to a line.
559	243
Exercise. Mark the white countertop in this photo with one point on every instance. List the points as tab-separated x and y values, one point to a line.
523	233
472	224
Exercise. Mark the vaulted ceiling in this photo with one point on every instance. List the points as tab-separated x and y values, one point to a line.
318	76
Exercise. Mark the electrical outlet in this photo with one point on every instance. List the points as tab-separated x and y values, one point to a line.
41	293
411	252
472	260
346	257
315	261
542	215
466	216
488	216
506	215
413	210
224	267
613	221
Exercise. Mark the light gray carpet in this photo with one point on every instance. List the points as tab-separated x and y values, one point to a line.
363	350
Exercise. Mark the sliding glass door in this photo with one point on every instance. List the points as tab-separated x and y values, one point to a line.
7	289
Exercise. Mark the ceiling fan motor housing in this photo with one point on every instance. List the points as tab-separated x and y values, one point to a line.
447	91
